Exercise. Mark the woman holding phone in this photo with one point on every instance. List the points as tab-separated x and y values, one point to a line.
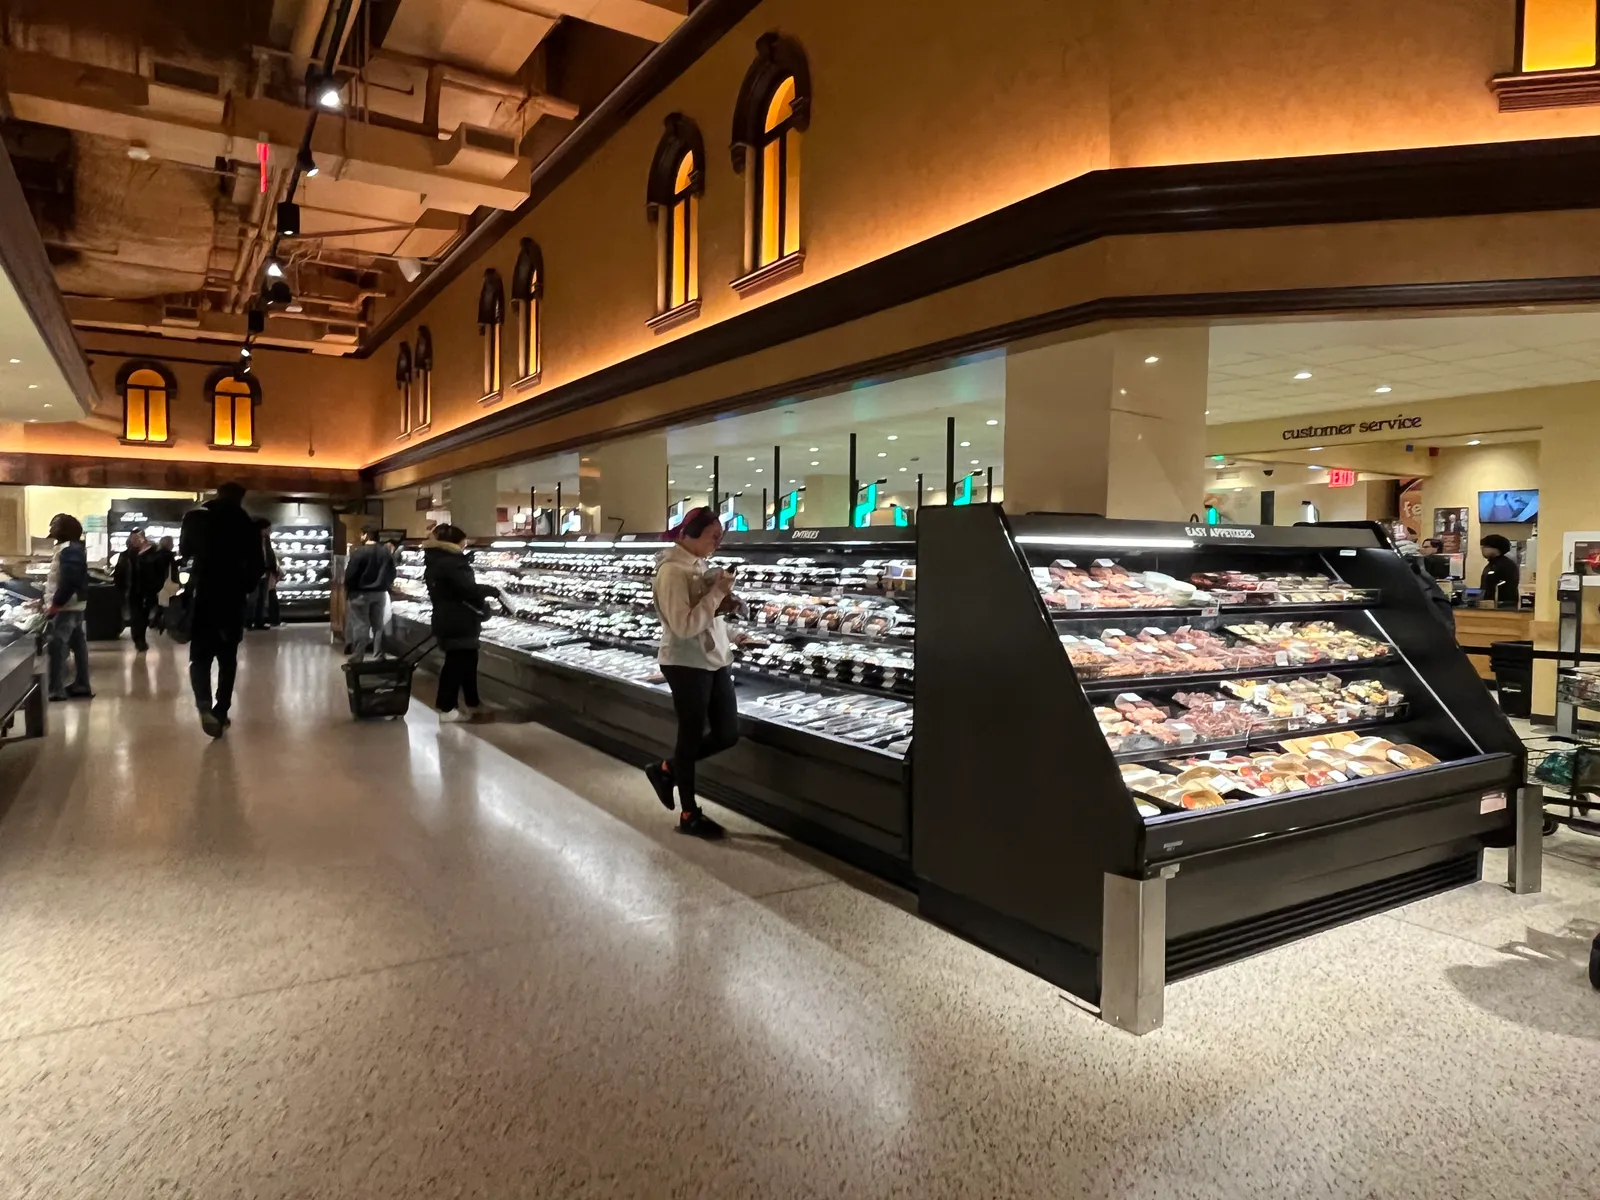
692	598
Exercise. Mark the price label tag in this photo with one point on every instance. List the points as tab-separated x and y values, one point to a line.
1210	611
1282	658
1491	802
1072	601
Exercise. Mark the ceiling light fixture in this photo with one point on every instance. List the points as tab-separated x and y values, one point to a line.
670	482
883	454
759	470
894	437
815	463
1314	449
751	458
974	462
964	445
904	469
1154	358
330	98
1302	374
32	386
991	421
274	270
813	449
699	466
1384	390
1473	442
15	361
1315	467
307	164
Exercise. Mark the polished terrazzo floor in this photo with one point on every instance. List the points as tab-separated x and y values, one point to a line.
319	959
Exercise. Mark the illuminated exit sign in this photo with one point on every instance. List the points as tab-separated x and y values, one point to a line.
1339	477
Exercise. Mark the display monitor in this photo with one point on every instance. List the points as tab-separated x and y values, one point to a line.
1508	508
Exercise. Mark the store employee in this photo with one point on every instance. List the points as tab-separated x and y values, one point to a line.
1501	575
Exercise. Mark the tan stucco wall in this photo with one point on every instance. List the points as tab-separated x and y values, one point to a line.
314	412
930	113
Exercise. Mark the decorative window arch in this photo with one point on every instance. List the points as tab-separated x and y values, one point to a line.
491	322
402	382
677	181
527	295
147	389
422	379
234	396
773	110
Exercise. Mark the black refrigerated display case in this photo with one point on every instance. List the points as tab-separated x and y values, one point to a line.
1145	749
824	670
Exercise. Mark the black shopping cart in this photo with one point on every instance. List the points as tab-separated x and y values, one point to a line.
381	687
1568	769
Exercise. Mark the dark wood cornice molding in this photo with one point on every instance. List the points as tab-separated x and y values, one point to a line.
159	474
1537	176
1547	89
1494	293
701	30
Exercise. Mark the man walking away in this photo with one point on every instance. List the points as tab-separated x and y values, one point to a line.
138	576
368	578
224	549
68	589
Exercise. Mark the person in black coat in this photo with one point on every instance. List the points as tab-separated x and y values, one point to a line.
1501	575
223	547
139	574
460	604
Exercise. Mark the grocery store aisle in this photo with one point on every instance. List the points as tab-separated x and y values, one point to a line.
390	960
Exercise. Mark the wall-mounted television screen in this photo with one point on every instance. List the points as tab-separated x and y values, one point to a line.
1508	508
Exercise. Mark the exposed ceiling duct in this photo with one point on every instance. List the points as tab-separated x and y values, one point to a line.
137	138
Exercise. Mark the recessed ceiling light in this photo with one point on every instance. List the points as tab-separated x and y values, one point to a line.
699	466
815	463
991	421
964	445
49	405
1473	442
1302	374
1314	449
974	462
15	361
813	449
883	454
670	482
33	420
751	458
894	437
904	469
1208	412
759	470
31	386
1314	467
1154	358
1384	390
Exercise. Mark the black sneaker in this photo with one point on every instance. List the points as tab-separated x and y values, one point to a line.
661	779
222	718
74	693
209	722
697	824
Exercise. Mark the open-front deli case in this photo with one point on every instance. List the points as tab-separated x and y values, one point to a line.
1145	749
823	670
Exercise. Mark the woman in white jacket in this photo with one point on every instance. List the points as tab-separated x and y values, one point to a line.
691	598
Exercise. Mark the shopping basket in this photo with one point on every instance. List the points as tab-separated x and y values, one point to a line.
381	687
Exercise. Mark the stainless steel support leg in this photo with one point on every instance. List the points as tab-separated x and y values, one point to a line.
1525	865
1133	952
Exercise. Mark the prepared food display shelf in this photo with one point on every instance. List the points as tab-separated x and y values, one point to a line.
1252	732
305	568
824	667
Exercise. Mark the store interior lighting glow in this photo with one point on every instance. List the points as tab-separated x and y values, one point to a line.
813	449
1475	442
964	445
894	437
1154	358
750	458
1302	374
815	463
1088	541
991	421
273	269
330	99
1315	467
1315	448
1384	390
15	361
883	454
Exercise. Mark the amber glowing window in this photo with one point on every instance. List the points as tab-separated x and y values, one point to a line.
683	250
527	295
233	414
145	397
676	182
402	383
1554	35
491	323
778	180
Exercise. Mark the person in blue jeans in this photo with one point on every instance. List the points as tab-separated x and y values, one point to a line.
68	591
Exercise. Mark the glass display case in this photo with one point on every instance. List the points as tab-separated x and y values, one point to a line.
305	570
824	667
1271	727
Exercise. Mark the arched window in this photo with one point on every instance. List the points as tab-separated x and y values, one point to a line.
402	382
234	397
146	389
422	379
527	292
677	181
773	110
491	320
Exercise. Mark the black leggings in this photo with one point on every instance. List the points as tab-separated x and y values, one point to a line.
701	699
459	674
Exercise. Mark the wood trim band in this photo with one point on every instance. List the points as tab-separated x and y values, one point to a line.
1395	297
1547	89
162	474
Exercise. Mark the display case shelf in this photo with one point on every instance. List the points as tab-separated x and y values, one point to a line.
1100	685
1287	611
1257	741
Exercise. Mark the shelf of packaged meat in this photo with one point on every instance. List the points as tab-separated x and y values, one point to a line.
1105	584
1213	648
305	564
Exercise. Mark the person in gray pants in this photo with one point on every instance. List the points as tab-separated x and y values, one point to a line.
368	578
